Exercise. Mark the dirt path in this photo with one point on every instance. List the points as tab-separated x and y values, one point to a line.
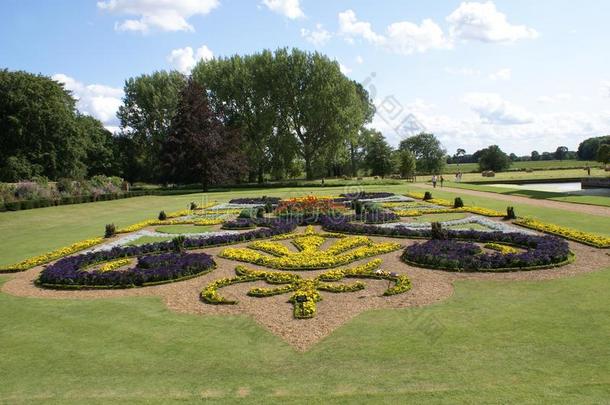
560	205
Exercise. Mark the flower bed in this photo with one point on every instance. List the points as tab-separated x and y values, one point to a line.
568	233
73	273
305	292
455	255
309	256
240	223
360	195
256	200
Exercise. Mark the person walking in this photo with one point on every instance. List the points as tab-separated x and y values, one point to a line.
442	180
434	180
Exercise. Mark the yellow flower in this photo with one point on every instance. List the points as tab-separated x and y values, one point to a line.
569	233
114	264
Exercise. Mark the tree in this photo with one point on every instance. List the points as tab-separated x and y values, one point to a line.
316	102
199	146
428	152
492	158
39	129
406	163
378	155
513	157
149	105
99	145
603	153
587	150
459	153
561	152
535	156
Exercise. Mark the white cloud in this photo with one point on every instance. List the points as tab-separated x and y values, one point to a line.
406	38
288	8
318	37
463	71
502	74
493	109
606	88
350	27
164	15
185	59
359	60
544	134
554	99
344	69
97	100
401	37
483	22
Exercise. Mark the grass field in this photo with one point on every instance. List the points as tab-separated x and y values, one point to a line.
541	195
491	342
32	232
538	165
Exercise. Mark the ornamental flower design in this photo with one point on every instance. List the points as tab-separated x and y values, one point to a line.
307	252
305	292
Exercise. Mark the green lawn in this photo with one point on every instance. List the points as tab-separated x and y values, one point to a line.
522	175
32	232
492	342
538	165
536	194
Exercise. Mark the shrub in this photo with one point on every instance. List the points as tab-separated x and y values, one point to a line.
437	231
260	212
110	231
428	195
193	206
372	207
458	203
178	244
268	207
162	216
247	213
510	213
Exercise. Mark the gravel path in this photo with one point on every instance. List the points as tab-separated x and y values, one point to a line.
275	313
560	205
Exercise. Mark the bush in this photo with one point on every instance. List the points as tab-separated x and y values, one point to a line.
162	216
438	232
510	213
193	206
371	207
268	207
458	203
260	212
178	244
110	231
428	195
247	213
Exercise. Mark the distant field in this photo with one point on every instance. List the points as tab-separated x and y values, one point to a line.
539	165
519	176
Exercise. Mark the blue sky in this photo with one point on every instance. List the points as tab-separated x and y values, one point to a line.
521	74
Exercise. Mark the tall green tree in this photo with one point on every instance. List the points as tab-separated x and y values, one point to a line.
603	153
100	147
561	152
316	102
39	132
379	155
406	163
199	147
493	158
587	149
428	152
149	105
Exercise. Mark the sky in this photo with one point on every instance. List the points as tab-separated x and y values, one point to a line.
521	74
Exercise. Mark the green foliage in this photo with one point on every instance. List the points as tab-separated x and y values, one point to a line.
510	213
162	216
427	196
561	152
378	155
149	105
492	158
587	150
603	153
406	163
110	231
458	203
42	133
428	152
